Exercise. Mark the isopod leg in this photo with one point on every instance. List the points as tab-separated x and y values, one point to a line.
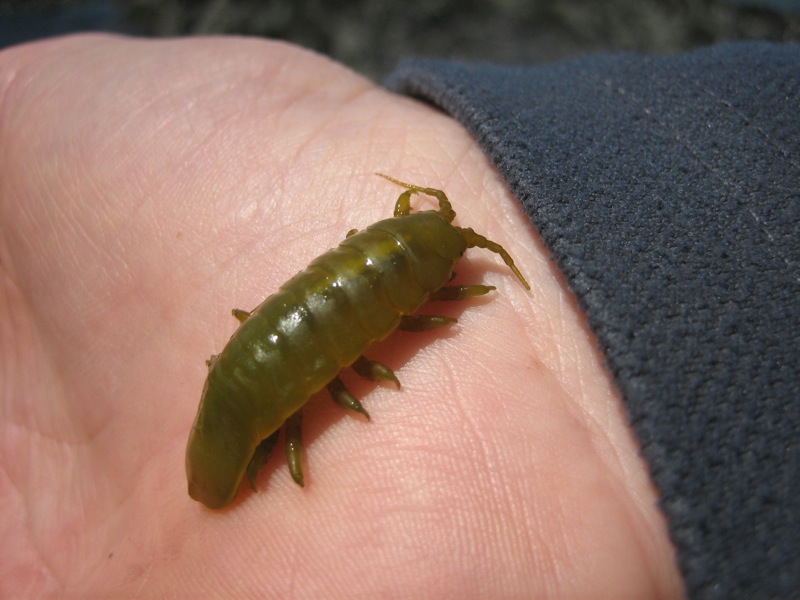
461	292
424	322
476	240
241	315
294	446
344	398
453	292
261	456
374	371
403	206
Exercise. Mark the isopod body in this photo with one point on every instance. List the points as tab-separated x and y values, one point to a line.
298	340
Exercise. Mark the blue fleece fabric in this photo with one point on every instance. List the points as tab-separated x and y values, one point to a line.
668	191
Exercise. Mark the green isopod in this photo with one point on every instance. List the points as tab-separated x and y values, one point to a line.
322	320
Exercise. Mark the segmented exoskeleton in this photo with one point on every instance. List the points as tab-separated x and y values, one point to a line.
320	321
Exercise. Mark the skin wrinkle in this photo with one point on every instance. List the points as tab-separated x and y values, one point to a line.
83	438
41	537
322	130
13	299
618	467
72	510
581	372
26	519
10	77
332	126
50	425
495	482
515	543
590	420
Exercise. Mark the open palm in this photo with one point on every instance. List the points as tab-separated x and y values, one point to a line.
146	188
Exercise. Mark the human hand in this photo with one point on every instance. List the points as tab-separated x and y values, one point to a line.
147	188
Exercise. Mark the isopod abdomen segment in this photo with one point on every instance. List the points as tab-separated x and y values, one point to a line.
322	320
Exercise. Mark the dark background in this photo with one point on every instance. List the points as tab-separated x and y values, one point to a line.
371	35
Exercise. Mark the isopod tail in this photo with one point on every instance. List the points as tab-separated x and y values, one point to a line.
213	474
221	444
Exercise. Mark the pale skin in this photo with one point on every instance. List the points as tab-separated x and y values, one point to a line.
147	188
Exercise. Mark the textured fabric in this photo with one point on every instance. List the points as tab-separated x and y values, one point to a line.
668	191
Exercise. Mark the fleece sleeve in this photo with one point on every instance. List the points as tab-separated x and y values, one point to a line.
668	191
